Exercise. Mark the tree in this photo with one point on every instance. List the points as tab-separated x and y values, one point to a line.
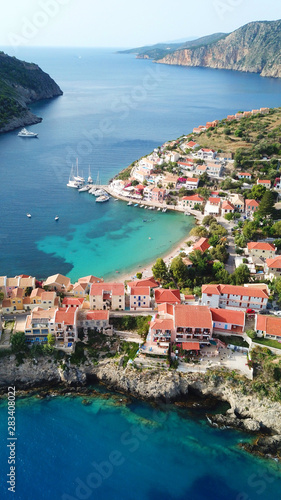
208	219
257	191
139	276
1	296
229	216
178	269
159	270
241	275
249	230
51	340
266	208
18	342
200	231
276	229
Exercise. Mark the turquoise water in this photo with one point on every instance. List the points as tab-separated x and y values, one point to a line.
129	453
144	105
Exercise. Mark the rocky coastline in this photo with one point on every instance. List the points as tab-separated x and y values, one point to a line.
44	377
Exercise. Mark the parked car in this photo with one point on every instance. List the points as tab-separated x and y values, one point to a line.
264	311
269	306
250	311
277	313
276	308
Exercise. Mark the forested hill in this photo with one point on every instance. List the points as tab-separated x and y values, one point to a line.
22	83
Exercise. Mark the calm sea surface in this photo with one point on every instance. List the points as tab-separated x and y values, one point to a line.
114	110
68	451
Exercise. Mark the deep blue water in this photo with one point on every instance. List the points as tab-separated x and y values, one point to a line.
115	109
129	453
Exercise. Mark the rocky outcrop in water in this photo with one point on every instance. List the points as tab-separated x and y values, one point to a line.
255	48
22	83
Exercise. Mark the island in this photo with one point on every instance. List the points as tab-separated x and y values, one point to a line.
253	48
205	321
21	84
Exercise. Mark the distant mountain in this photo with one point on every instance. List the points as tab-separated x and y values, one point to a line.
20	84
160	50
254	48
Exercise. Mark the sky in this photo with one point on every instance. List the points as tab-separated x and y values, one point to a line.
124	23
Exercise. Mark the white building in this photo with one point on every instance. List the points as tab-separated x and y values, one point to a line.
234	297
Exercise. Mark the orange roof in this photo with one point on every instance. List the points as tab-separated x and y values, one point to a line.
260	245
194	197
162	324
39	313
253	203
226	205
274	263
166	308
235	290
191	346
150	282
113	288
263	181
245	174
214	201
98	315
89	279
72	301
191	144
57	279
269	324
211	289
66	316
228	316
37	292
166	295
140	290
191	179
17	292
202	245
193	316
79	287
6	303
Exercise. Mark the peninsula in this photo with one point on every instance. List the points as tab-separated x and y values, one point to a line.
254	48
208	321
22	83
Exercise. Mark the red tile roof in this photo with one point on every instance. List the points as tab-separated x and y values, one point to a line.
66	316
263	181
269	324
166	295
202	245
226	205
211	289
260	245
140	290
228	316
72	301
253	203
191	346
194	197
214	201
150	282
274	263
193	316
114	288
98	315
89	279
162	324
235	290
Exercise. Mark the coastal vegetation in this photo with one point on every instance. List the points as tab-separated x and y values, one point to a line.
20	84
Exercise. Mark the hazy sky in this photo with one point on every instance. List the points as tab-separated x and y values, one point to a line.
124	23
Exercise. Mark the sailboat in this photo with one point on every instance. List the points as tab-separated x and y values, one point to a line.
77	177
72	182
90	180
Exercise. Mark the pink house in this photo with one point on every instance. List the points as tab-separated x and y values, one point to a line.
158	194
139	298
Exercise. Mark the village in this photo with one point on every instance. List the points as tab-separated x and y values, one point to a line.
216	300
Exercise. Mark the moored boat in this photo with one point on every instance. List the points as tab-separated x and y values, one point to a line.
102	199
27	133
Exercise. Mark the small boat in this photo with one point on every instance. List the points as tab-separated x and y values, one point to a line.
141	206
102	199
129	204
99	192
187	213
28	215
56	217
164	210
136	205
26	133
145	208
84	188
150	208
158	209
90	180
144	220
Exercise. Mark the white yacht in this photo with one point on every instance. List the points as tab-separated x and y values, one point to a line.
72	182
56	218
77	177
90	180
28	215
26	133
102	199
84	188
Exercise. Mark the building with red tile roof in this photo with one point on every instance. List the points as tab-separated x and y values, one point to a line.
140	298
227	208
202	245
251	206
98	320
191	201
264	182
72	302
273	267
107	296
144	282
261	249
234	297
268	327
228	321
167	295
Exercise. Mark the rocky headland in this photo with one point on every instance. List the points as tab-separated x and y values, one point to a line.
21	84
247	412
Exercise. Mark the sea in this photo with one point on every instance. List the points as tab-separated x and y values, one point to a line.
114	110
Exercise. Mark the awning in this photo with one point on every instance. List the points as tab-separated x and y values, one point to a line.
191	346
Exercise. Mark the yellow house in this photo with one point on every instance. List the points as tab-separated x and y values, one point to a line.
14	302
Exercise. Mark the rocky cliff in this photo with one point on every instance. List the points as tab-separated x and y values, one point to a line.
22	83
246	412
255	48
